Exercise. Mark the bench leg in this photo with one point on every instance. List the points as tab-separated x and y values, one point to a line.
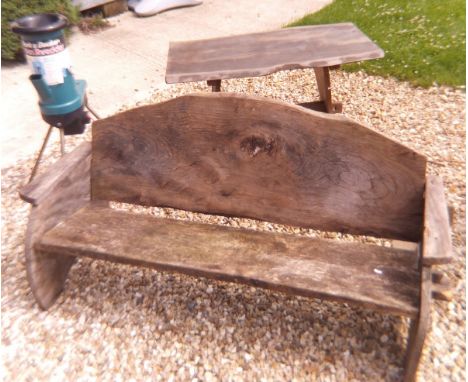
46	275
419	327
324	87
215	85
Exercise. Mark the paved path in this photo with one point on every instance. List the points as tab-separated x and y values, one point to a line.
127	62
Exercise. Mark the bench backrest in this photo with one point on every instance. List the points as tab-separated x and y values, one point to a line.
251	157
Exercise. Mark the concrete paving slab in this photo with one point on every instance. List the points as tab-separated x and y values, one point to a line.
126	63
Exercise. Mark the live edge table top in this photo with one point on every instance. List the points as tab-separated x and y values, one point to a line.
259	54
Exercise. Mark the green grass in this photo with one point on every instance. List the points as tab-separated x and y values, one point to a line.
423	40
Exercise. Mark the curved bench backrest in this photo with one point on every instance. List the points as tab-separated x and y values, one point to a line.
252	157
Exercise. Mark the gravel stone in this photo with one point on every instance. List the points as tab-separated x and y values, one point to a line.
121	323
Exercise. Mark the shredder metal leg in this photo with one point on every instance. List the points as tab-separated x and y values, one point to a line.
39	156
92	111
62	142
324	87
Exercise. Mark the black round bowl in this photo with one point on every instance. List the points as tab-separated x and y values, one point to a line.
39	23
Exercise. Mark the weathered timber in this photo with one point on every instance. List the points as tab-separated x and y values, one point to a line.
373	276
406	245
437	240
419	326
259	54
58	173
244	156
56	195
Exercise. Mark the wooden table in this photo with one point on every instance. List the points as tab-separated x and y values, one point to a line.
322	47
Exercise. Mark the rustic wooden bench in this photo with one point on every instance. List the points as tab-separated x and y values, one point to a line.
321	47
234	155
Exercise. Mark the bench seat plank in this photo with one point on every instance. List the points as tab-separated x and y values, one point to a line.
370	275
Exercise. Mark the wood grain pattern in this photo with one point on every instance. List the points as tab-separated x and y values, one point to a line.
373	276
252	157
47	272
437	244
419	327
259	54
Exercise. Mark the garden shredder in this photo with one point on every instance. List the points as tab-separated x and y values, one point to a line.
62	99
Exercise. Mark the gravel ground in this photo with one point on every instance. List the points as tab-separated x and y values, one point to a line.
122	323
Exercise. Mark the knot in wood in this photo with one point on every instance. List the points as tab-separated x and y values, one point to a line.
254	145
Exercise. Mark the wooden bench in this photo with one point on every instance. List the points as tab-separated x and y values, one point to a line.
234	155
322	47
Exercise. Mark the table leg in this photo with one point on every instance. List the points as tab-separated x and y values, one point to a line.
215	85
324	87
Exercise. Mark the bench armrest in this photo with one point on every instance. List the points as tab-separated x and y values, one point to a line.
437	240
56	174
